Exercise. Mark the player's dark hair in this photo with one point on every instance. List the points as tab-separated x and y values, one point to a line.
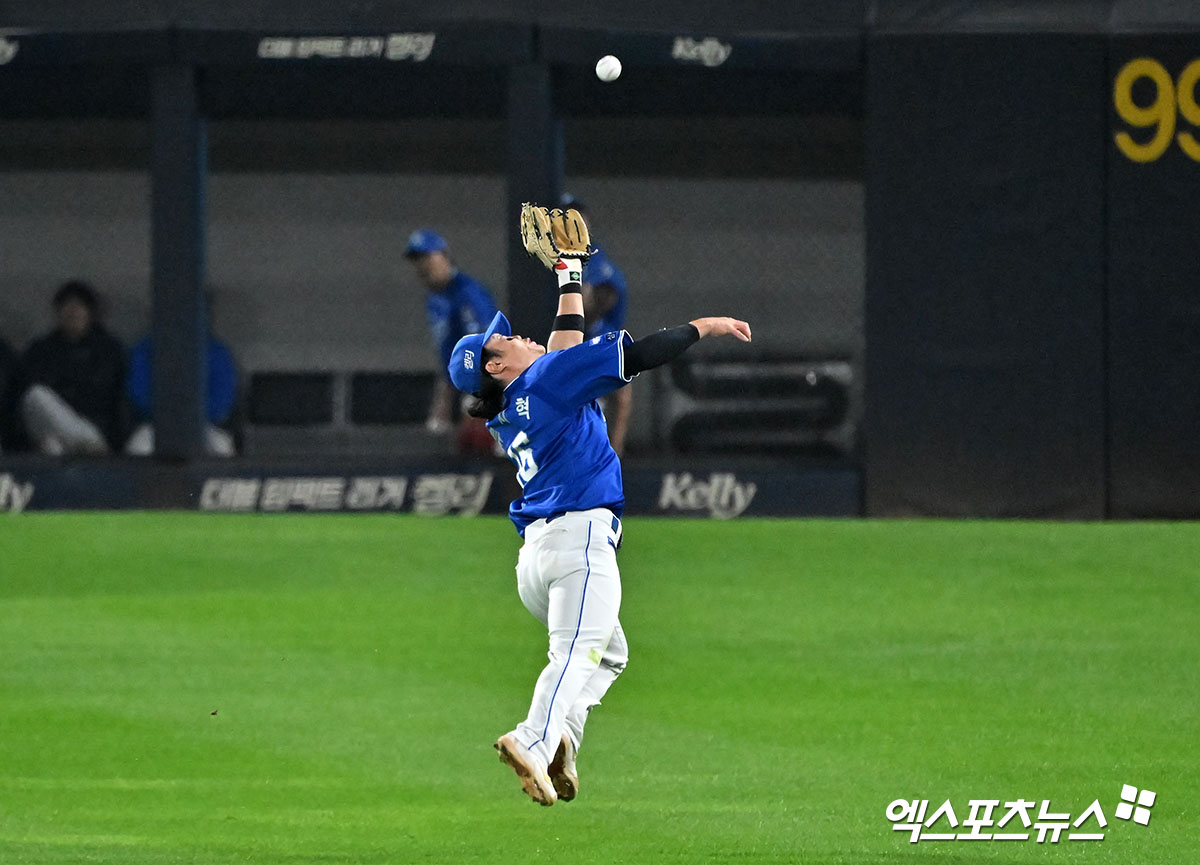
489	402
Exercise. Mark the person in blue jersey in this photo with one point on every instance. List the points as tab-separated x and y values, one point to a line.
220	397
605	308
540	405
456	304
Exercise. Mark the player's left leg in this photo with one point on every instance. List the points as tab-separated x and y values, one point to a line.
562	770
612	664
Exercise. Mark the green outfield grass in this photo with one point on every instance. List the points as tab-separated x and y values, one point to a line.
189	688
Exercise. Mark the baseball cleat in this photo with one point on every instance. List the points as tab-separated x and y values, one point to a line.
534	780
562	770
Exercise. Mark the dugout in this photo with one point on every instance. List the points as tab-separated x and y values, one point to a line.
253	141
978	214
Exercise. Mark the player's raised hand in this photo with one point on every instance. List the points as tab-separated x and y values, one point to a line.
722	325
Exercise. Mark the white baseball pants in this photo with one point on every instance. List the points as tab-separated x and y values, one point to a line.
567	577
55	427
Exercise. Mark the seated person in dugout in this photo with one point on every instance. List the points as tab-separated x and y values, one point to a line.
219	405
73	380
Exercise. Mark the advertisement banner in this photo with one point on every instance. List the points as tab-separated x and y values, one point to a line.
712	489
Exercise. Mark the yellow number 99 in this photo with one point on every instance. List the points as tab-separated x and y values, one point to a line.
1188	108
1160	113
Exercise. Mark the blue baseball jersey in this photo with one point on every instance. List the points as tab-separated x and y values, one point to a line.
222	380
464	306
599	270
553	430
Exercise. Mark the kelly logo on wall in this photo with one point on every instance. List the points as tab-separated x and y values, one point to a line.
720	495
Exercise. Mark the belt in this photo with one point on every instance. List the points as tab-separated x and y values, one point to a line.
616	522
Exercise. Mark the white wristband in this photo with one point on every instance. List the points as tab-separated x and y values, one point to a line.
573	272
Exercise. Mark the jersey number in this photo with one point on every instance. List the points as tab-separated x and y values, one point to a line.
521	453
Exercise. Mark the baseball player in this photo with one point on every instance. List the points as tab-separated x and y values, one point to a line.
540	405
456	304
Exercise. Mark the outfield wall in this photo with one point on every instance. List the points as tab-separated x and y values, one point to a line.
1032	261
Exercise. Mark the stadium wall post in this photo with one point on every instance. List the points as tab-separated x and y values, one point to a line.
180	325
535	173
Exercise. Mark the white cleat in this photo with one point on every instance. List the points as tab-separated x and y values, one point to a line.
534	780
562	770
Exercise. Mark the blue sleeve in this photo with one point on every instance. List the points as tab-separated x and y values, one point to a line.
573	377
600	270
437	308
222	382
476	308
139	386
465	307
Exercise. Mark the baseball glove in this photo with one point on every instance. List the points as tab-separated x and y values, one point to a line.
554	234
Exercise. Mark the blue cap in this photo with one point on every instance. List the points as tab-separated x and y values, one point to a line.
466	361
424	241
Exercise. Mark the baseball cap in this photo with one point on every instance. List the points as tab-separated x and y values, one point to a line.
466	361
424	241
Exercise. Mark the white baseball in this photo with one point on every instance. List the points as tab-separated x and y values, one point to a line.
608	68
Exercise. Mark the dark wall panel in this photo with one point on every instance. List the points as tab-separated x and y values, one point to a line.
1154	277
687	17
985	283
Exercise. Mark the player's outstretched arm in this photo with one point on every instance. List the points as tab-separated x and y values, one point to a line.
568	322
722	326
666	345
